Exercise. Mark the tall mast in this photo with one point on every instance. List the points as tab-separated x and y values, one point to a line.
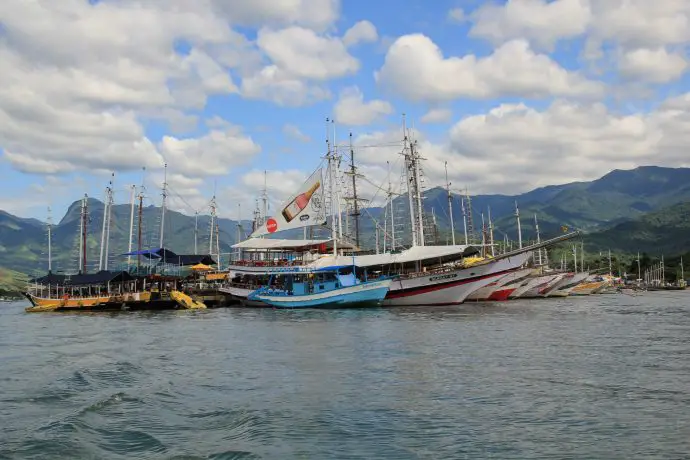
582	256
483	237
105	220
610	267
450	207
468	215
331	190
682	274
196	232
575	257
82	235
109	215
418	190
408	177
519	228
140	217
356	213
536	228
336	170
218	244
639	271
491	234
464	220
239	230
264	198
50	241
164	203
390	199
213	224
132	200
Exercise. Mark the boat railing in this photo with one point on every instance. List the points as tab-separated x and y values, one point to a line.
267	263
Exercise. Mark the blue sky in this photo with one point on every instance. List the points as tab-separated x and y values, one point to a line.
513	95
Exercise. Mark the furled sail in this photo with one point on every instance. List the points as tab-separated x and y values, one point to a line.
303	209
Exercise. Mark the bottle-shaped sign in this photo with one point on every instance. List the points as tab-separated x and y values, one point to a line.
300	202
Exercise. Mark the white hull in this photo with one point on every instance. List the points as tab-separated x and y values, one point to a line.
485	292
543	288
240	294
366	294
530	285
566	285
451	287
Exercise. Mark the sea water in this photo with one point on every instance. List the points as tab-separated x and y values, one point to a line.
605	376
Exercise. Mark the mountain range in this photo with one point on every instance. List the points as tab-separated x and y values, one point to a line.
645	209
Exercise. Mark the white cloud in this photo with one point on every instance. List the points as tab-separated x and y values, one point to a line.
541	22
301	62
79	80
214	78
641	23
277	86
437	116
631	31
302	53
416	68
76	80
213	154
279	185
564	143
361	32
680	103
352	110
315	14
515	148
653	65
294	132
638	30
457	15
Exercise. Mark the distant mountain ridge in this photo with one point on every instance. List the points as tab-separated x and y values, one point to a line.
613	203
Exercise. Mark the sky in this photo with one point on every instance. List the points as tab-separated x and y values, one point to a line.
511	95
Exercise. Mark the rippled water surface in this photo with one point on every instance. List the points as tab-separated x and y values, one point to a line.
598	377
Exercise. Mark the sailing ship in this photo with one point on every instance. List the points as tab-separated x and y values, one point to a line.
424	274
106	289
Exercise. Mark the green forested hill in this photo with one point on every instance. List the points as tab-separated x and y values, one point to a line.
666	231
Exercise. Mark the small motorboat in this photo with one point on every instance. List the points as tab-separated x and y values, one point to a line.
327	287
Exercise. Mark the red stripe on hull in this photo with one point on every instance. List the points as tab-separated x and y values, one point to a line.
501	294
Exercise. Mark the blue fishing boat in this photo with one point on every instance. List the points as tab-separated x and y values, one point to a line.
328	287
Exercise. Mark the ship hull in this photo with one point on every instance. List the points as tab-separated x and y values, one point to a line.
533	287
452	287
497	289
129	301
239	295
501	294
370	294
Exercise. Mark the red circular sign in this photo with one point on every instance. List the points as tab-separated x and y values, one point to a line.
271	225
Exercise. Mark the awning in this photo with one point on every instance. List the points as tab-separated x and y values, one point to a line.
278	244
201	267
101	277
444	253
167	256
